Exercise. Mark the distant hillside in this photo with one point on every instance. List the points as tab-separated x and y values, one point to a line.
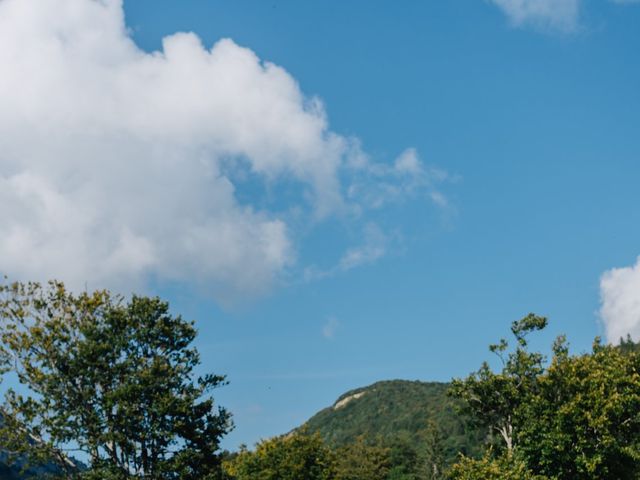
396	409
12	469
14	472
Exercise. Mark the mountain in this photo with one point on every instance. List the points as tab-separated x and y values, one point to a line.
14	471
397	410
17	469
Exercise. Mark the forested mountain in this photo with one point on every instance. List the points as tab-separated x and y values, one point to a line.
398	411
10	469
14	472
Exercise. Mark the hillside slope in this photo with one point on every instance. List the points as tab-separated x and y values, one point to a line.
397	409
14	471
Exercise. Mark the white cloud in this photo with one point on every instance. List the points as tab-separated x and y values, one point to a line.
376	185
373	248
620	297
118	165
561	15
330	327
555	15
375	245
408	162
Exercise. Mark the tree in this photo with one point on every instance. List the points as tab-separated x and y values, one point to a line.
434	454
574	419
297	456
627	345
111	379
585	421
404	459
362	461
505	467
493	400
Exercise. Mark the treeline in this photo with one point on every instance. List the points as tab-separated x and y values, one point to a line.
303	455
113	381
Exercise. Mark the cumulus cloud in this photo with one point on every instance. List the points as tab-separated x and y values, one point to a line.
118	165
620	297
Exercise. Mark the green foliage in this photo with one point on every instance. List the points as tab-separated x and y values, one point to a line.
433	460
627	345
575	419
585	421
359	461
493	400
488	468
296	456
113	380
399	415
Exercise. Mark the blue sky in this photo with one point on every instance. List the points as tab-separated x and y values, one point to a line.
432	172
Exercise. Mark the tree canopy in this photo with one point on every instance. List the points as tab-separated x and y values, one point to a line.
111	380
296	456
575	418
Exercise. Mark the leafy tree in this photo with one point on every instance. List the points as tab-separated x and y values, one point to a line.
110	379
296	456
585	421
405	461
362	461
434	454
505	467
493	400
627	345
575	419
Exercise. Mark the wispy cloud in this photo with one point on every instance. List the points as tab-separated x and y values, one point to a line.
376	185
559	15
620	297
550	15
375	245
373	248
330	328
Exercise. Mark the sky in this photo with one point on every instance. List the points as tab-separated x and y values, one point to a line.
336	192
